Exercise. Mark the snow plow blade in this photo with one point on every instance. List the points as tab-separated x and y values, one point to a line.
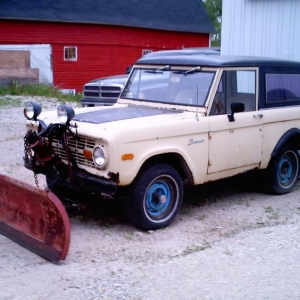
34	218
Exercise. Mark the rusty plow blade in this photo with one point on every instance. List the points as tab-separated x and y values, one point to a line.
34	218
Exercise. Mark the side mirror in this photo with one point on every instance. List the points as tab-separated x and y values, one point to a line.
236	107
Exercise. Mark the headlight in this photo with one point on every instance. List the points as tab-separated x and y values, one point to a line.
32	110
65	114
100	157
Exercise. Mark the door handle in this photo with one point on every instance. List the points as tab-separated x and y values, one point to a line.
258	116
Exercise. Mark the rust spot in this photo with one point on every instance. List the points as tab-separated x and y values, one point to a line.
114	177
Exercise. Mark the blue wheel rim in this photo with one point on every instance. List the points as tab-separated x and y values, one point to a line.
159	199
286	170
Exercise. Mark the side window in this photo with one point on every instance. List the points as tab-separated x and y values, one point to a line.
282	89
235	86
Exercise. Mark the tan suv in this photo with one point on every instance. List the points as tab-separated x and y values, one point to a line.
180	120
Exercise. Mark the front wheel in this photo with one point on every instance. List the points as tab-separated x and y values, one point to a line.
283	171
155	198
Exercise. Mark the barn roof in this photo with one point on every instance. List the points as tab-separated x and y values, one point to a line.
172	15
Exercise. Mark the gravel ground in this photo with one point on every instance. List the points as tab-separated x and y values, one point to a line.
230	241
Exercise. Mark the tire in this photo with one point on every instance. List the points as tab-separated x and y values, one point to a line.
283	171
155	198
52	185
63	192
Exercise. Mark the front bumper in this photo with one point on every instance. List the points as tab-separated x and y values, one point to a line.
78	180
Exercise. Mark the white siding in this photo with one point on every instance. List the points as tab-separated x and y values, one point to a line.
40	58
261	28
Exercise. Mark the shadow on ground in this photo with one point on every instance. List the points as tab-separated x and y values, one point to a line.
110	211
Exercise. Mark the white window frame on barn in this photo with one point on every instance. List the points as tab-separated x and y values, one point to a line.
70	53
146	51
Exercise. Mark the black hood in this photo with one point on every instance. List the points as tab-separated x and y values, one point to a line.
123	113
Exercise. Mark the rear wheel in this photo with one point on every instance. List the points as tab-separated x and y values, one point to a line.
155	198
283	171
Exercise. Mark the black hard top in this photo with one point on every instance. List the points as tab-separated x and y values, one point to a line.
179	15
190	57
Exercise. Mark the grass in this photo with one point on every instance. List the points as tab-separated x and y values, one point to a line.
196	248
9	101
18	89
271	213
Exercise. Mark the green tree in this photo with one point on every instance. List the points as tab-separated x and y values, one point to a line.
214	11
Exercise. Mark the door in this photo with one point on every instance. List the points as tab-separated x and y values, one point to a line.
238	143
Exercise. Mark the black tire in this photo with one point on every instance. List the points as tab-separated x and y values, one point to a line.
53	186
155	198
63	192
283	171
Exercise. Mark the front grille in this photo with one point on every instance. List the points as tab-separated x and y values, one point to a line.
91	94
76	147
102	91
110	91
110	95
91	87
91	91
110	88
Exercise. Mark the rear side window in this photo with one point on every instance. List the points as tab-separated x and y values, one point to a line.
283	89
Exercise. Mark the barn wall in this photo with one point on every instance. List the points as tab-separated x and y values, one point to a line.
261	28
102	50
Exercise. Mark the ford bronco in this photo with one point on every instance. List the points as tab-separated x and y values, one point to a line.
180	120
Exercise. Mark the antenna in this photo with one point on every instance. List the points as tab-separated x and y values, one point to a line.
197	117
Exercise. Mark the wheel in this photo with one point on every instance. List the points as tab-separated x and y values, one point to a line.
155	198
283	170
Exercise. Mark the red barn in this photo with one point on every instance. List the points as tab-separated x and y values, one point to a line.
95	38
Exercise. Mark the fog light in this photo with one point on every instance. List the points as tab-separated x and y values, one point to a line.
65	114
32	110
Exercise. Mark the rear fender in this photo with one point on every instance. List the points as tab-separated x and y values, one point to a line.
292	135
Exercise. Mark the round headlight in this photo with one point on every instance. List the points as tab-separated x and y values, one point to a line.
65	114
100	157
32	110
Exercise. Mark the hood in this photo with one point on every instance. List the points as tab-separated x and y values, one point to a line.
117	79
123	113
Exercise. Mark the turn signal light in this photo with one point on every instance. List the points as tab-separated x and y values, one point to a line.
88	154
127	156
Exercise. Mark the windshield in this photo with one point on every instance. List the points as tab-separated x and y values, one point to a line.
186	87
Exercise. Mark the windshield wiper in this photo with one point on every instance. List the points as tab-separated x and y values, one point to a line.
159	70
193	70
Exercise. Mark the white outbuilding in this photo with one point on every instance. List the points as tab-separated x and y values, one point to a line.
267	28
